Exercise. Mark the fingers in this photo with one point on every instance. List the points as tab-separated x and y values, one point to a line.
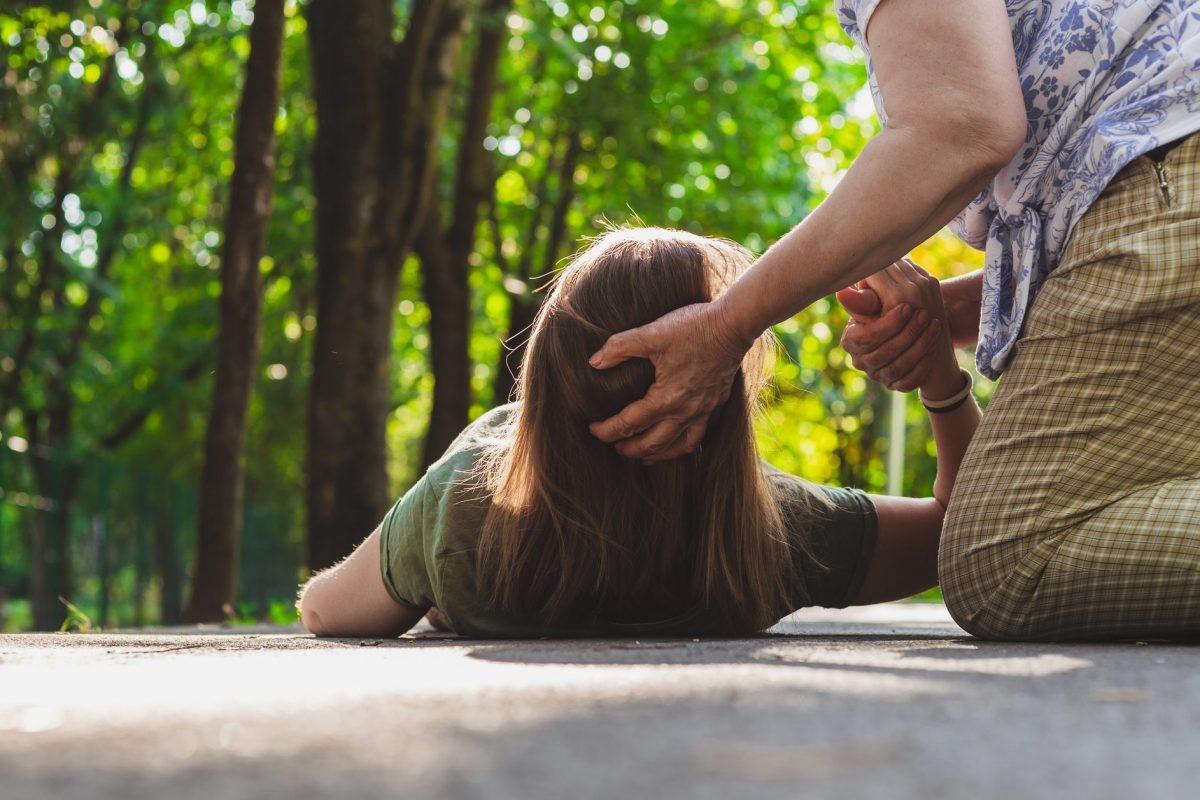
656	440
687	443
913	379
884	284
900	372
908	269
886	277
861	338
915	269
630	421
925	285
619	348
891	349
895	350
892	286
860	303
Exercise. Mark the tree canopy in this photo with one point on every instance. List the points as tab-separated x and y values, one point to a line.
117	151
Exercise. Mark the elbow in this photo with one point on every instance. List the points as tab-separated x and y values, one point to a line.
973	142
312	622
991	137
310	614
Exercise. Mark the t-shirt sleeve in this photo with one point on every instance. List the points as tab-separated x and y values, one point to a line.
855	15
404	557
842	540
833	541
425	530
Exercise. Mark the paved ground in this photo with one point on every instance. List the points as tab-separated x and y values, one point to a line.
887	702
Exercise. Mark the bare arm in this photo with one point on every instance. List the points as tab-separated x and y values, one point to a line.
349	599
963	297
905	558
949	131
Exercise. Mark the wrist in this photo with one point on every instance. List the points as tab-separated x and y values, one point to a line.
943	381
952	403
736	328
962	297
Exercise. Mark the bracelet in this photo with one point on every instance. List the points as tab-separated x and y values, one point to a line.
950	403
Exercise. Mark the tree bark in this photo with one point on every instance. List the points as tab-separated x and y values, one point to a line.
380	114
446	251
222	482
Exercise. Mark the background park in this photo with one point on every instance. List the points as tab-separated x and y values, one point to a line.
194	194
260	262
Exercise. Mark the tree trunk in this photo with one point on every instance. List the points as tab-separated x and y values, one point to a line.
523	306
446	254
380	113
104	556
50	577
222	481
56	479
448	295
139	573
170	608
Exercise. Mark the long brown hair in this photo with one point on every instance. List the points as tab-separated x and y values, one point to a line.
576	532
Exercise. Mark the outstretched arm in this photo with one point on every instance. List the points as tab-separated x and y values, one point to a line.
905	559
955	117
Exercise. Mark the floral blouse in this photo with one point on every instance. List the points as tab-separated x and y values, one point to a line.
1104	82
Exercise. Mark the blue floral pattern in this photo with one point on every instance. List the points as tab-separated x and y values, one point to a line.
1104	82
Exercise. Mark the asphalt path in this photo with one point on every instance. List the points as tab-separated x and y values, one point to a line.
892	701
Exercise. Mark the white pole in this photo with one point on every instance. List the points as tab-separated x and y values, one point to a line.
896	434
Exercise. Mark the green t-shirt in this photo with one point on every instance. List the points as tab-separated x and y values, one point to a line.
429	537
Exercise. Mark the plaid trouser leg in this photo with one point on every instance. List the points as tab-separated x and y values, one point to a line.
1077	509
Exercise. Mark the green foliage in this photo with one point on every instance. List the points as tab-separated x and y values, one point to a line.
277	612
725	118
15	615
77	621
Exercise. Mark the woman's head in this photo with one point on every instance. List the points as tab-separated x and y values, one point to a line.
576	531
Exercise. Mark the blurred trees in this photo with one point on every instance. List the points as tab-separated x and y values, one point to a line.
459	150
116	144
70	155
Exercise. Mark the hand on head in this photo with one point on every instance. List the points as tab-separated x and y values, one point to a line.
695	356
897	332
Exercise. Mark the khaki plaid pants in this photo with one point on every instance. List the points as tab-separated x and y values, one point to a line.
1077	509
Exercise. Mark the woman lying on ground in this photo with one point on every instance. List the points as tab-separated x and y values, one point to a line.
530	526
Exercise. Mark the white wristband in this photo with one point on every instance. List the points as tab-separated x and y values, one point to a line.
954	400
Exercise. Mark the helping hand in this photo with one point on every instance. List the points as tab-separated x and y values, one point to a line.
908	346
696	355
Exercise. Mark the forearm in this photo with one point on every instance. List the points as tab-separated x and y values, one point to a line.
952	433
905	558
866	223
963	297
